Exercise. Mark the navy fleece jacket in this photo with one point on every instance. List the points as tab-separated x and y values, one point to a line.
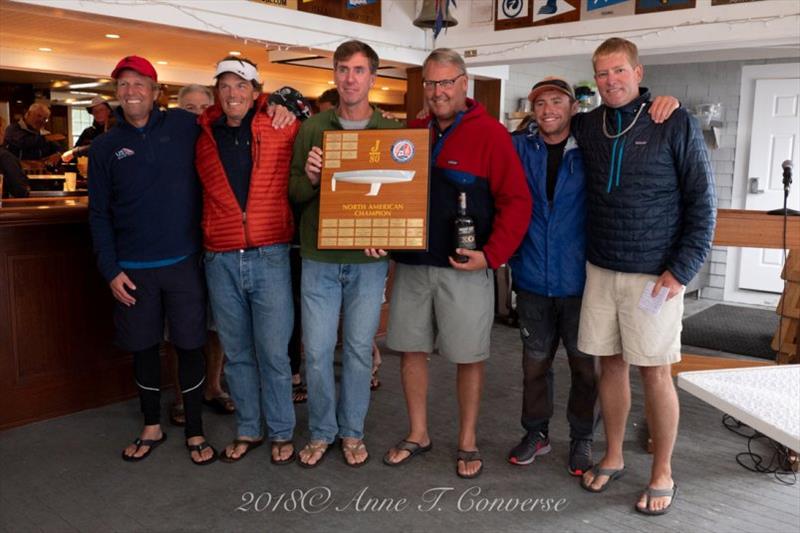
144	195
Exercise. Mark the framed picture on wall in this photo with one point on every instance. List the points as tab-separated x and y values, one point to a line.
510	14
654	6
598	9
555	11
729	2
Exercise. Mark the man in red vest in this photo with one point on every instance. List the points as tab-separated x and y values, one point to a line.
243	161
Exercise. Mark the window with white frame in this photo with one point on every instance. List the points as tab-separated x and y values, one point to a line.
79	121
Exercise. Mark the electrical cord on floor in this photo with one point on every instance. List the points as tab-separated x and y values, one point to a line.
779	464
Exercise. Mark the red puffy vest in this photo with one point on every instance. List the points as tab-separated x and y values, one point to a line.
268	217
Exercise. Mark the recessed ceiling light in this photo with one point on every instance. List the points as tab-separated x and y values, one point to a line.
384	88
235	53
89	85
112	36
162	63
45	49
330	83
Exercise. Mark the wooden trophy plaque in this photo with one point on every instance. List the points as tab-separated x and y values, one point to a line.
374	190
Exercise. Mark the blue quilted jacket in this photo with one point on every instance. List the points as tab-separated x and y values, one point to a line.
651	198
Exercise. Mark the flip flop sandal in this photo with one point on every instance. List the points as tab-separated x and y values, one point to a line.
414	448
153	444
222	404
657	493
299	389
352	449
466	456
249	445
279	445
314	447
199	448
612	473
177	415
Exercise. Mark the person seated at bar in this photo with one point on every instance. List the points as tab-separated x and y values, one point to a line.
103	120
15	183
29	141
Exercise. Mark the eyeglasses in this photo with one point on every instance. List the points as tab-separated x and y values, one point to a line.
444	84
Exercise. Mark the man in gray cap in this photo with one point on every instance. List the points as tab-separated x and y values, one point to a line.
103	120
549	273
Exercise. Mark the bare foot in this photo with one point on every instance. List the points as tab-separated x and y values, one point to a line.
201	456
312	453
396	456
152	432
237	449
469	468
354	450
282	451
656	503
597	482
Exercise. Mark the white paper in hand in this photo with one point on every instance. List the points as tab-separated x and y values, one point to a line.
648	303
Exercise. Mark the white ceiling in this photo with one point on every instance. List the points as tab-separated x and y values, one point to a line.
190	54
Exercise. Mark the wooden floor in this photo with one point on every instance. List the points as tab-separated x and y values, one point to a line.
66	474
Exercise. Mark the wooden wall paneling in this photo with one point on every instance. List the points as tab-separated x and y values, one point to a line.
415	100
487	92
56	332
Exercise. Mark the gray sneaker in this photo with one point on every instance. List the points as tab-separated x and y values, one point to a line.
529	448
580	456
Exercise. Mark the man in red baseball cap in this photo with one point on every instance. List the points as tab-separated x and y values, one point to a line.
137	64
145	207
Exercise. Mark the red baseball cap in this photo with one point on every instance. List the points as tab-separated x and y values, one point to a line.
137	64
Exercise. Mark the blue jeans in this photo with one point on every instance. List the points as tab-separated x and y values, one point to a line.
357	291
251	299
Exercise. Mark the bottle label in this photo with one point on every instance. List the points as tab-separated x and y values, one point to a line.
465	237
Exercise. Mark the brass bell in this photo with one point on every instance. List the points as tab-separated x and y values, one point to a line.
427	15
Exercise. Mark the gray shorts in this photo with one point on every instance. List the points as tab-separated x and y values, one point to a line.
443	308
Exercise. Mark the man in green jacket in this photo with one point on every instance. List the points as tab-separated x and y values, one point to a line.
337	280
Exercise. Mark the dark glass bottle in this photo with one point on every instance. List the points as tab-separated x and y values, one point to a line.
464	229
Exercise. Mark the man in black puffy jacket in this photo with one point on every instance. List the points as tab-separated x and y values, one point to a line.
651	214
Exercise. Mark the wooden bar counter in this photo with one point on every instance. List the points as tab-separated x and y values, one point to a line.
56	329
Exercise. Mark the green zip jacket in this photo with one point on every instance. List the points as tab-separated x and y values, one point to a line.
306	196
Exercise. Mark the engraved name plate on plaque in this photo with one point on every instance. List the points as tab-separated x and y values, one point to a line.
374	189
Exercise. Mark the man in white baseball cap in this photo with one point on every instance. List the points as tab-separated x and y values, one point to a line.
243	159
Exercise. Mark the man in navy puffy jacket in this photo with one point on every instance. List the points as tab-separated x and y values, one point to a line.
651	215
549	272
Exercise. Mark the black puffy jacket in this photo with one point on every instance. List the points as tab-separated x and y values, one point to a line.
651	197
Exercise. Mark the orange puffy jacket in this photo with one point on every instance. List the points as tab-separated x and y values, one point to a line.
268	217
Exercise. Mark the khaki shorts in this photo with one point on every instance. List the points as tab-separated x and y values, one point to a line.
443	308
612	323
